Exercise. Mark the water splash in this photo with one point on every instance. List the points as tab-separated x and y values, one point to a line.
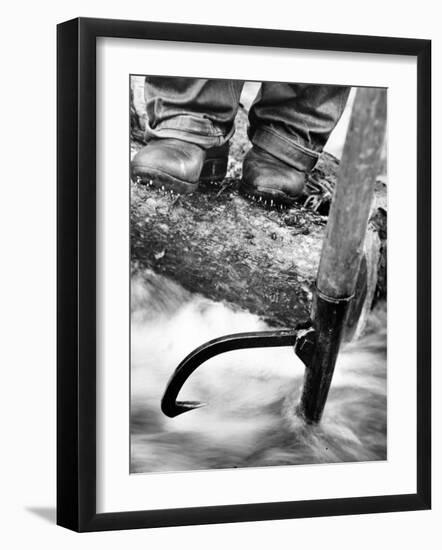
251	394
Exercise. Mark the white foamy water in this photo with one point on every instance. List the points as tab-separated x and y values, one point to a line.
251	395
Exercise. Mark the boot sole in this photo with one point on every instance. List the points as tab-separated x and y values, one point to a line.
268	194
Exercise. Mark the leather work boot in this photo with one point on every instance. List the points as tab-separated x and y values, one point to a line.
270	179
179	166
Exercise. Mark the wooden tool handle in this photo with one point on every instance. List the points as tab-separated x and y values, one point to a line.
350	210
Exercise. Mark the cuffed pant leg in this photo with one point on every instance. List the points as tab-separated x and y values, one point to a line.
293	121
196	110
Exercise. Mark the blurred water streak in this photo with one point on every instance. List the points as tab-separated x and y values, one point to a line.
251	394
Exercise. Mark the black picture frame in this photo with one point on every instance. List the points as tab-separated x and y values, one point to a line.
77	287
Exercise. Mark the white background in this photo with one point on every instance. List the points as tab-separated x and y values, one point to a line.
27	300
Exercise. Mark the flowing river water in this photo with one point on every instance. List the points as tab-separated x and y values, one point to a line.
251	395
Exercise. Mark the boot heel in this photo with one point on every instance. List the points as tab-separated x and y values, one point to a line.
215	164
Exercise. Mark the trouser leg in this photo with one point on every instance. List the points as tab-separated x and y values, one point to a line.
196	110
293	121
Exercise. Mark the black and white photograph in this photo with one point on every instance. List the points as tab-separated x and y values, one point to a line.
258	273
220	263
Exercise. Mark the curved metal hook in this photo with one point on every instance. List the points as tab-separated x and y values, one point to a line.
272	338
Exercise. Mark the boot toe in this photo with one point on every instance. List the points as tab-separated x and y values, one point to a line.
168	163
268	177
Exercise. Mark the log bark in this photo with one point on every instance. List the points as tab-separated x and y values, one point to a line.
227	248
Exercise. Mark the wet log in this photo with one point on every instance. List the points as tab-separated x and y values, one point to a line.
228	248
